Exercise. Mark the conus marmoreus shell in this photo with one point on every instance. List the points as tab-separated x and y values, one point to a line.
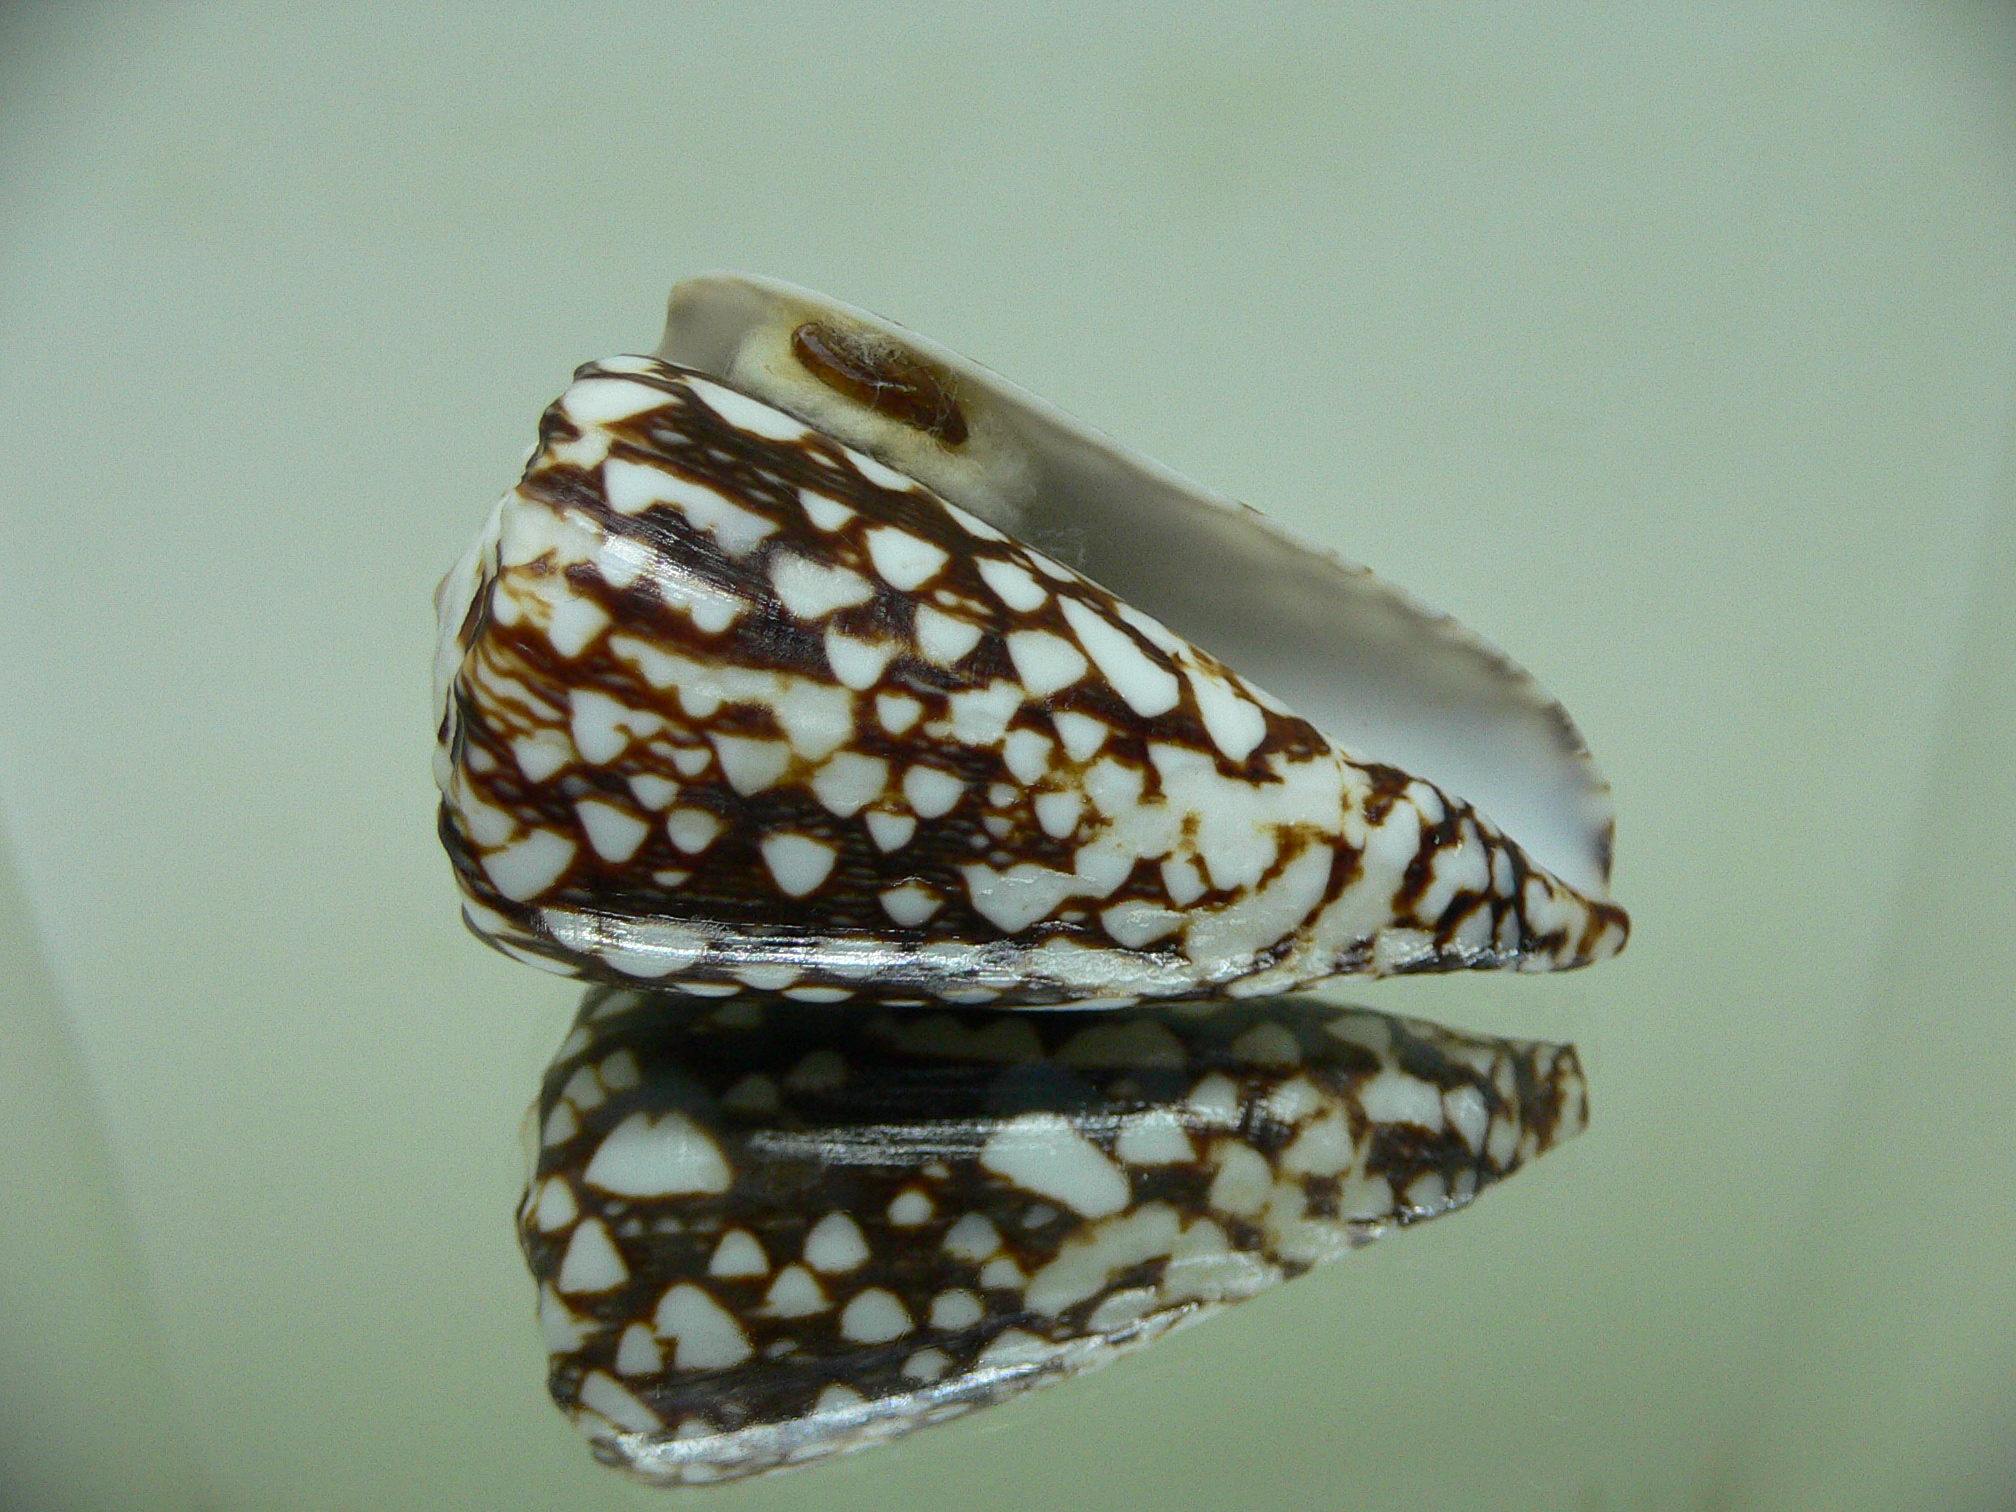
749	683
764	1232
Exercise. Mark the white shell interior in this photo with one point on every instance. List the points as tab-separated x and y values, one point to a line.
1385	677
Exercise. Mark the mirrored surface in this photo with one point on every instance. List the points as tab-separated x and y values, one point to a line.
1673	353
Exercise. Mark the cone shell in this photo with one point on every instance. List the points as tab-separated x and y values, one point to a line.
764	1233
728	702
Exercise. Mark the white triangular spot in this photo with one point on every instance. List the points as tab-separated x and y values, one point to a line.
1235	726
981	715
838	1398
602	1393
1137	922
1011	584
943	639
795	1293
524	870
874	1316
1045	662
1058	813
591	1263
1082	735
910	1207
973	1237
663	1157
857	663
542	753
653	792
877	473
751	765
1154	1138
1182	881
825	513
911	904
692	830
931	791
738	1254
1027	755
637	1352
903	560
575	624
709	1337
1018	897
955	1309
849	782
1147	688
555	1208
615	833
798	863
890	832
835	1244
897	711
603	728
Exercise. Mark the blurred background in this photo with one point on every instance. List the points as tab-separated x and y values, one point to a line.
1670	348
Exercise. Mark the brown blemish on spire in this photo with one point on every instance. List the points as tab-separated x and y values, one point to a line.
890	381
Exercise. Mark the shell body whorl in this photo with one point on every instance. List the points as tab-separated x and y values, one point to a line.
765	1233
726	703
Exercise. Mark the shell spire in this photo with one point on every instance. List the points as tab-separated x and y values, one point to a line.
728	700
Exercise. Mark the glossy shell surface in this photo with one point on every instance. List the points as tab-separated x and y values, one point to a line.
728	702
765	1233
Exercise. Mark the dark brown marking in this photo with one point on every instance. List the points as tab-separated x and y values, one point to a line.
890	381
728	883
923	1094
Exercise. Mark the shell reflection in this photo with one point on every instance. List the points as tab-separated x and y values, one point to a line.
765	1232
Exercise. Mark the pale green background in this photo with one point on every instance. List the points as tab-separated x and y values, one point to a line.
1671	348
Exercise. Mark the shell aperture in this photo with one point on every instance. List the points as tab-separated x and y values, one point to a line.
764	1233
746	685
